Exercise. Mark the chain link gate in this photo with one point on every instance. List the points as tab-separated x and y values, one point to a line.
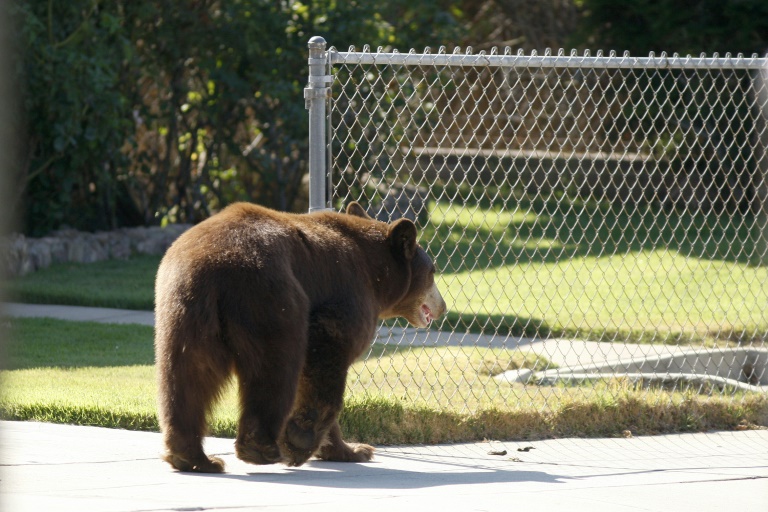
599	223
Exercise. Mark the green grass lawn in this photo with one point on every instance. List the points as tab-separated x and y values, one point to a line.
542	268
96	374
602	273
109	284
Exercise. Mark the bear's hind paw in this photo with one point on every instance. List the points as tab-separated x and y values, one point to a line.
361	452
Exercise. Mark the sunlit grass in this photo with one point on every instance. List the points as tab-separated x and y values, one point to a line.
599	274
455	378
653	291
542	268
125	284
59	372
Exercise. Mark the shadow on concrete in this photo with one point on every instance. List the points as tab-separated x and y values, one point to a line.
378	476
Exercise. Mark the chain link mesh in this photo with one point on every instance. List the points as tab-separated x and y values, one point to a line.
597	223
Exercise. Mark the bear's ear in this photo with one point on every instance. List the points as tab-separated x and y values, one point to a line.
355	209
402	238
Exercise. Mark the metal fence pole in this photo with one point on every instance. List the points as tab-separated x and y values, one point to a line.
316	96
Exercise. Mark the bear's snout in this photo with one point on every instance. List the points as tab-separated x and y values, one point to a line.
433	307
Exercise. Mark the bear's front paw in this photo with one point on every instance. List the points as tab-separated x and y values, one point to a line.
299	443
201	465
347	452
258	453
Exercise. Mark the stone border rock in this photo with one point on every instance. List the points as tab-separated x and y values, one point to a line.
21	255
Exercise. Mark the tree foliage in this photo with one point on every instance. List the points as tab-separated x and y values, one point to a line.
143	110
76	117
519	24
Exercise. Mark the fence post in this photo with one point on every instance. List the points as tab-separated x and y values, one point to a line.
316	95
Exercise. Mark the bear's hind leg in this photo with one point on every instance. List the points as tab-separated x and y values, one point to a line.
184	443
188	388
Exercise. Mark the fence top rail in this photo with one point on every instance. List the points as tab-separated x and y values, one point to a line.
493	59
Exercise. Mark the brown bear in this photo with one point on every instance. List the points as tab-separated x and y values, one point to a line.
287	302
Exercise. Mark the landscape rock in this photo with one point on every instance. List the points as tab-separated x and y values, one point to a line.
20	255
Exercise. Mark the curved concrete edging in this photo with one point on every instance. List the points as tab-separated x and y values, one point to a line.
742	368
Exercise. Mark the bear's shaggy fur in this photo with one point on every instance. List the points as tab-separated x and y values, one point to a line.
287	302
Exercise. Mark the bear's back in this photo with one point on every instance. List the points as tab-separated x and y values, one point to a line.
323	251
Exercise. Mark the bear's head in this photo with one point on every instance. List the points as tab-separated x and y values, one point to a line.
422	302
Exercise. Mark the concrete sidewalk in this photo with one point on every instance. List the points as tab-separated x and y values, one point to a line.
78	313
63	468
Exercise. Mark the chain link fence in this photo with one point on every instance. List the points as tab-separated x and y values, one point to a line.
598	222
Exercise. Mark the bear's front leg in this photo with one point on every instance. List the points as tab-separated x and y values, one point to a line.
338	332
304	434
318	403
320	394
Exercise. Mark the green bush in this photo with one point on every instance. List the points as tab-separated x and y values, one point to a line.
148	110
76	114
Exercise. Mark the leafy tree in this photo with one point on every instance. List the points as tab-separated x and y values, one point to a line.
140	111
526	24
76	116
